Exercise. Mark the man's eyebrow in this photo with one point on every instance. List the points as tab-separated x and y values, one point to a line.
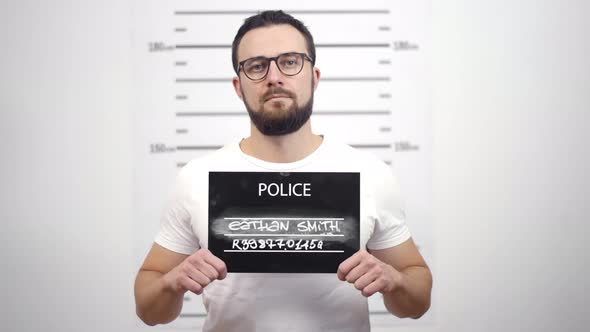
253	57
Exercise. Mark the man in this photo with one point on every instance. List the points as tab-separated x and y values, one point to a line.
273	55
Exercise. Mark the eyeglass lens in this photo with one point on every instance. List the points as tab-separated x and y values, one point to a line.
289	64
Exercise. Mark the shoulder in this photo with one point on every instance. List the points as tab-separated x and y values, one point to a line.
377	177
197	169
364	161
226	154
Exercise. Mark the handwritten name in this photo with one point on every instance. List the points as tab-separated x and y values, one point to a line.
303	226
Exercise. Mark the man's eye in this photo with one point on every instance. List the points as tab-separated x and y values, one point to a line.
256	67
290	63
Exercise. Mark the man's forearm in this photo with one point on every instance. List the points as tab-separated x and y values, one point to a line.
154	302
412	299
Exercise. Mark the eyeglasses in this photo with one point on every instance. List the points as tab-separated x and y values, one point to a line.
289	64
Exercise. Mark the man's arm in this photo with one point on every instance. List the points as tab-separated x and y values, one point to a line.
399	273
164	278
410	296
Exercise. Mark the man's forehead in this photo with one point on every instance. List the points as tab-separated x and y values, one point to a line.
271	41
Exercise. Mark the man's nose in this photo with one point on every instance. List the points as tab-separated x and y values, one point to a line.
274	75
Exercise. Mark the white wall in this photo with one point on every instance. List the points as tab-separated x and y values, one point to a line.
510	101
512	120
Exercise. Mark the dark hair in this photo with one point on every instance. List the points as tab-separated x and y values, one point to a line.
268	18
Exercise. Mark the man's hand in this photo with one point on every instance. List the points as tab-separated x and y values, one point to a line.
369	274
195	272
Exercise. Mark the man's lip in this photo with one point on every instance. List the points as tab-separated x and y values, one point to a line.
277	96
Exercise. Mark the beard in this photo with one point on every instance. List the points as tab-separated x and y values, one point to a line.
276	119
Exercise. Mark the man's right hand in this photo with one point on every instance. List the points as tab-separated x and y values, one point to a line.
195	272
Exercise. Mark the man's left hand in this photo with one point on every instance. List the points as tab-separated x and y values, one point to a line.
369	274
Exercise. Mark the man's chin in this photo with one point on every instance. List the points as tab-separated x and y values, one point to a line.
277	117
278	104
277	111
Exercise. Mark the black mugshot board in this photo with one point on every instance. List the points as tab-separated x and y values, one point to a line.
284	222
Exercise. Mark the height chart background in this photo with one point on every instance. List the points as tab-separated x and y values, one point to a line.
374	94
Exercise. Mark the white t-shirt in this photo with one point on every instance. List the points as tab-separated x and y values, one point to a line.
284	301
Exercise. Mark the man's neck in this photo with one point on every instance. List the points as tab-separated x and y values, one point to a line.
281	149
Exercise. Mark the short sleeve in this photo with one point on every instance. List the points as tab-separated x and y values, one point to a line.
175	232
390	227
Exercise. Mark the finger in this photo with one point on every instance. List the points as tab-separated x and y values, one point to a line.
217	264
208	264
357	272
207	270
198	276
189	284
374	287
365	280
347	265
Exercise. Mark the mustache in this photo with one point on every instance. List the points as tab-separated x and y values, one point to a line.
277	91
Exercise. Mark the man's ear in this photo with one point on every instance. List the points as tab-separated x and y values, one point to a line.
236	83
316	77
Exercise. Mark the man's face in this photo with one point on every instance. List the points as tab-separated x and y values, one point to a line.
278	104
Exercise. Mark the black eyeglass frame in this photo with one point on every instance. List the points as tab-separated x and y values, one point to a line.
275	59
